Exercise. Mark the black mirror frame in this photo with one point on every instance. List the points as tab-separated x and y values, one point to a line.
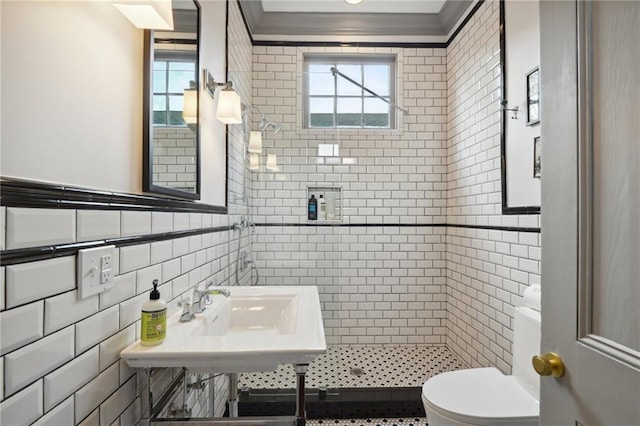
147	126
506	209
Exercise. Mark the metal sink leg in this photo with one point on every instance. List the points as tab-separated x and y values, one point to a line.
301	415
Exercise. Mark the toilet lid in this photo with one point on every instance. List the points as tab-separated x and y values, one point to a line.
479	395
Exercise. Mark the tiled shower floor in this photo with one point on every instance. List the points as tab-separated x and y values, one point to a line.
362	366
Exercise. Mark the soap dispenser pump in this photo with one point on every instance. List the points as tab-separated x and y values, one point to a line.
154	319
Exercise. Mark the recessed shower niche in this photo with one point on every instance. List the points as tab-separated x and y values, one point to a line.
328	201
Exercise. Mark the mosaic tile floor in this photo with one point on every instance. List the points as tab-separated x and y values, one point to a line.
362	366
420	421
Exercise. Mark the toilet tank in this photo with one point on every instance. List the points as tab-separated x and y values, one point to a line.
526	344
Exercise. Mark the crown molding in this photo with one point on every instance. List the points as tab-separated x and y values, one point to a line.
352	27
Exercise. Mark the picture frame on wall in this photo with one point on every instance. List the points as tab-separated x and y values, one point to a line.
537	157
533	96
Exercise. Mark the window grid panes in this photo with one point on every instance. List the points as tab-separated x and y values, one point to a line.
334	102
170	79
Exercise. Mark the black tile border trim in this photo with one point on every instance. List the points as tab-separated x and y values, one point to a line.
32	254
403	225
31	194
15	192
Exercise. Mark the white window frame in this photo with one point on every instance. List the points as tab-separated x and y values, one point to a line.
173	57
337	60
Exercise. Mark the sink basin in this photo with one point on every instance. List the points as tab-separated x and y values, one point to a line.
254	329
254	315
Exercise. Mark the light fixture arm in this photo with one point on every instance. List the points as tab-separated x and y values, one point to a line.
209	84
335	72
505	107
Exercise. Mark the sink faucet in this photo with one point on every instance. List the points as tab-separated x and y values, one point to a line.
200	300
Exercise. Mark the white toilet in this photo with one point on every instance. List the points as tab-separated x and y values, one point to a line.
485	396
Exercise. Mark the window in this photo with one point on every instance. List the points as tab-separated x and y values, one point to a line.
171	76
332	101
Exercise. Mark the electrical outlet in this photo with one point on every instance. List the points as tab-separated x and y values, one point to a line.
106	262
94	273
105	276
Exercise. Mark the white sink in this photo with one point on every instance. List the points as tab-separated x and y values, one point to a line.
254	329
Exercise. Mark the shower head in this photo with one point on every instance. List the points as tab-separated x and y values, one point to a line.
265	123
276	127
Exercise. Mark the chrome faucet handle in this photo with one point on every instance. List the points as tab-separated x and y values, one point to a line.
197	300
187	314
207	295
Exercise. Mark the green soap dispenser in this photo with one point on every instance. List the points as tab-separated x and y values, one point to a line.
154	319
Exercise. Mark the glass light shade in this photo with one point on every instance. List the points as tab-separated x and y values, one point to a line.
272	162
147	14
255	142
190	106
353	1
254	161
229	107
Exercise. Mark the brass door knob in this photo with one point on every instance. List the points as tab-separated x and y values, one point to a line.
548	364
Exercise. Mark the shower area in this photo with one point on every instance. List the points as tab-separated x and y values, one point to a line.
378	252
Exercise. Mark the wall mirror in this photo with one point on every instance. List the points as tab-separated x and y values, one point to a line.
519	51
171	103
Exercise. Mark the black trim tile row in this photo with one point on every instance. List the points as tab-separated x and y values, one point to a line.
16	192
31	194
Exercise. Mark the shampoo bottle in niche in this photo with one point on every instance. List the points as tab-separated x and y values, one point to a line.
322	208
154	319
312	208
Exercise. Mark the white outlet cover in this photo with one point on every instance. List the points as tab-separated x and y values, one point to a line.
89	271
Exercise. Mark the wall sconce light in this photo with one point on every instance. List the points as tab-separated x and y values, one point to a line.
147	14
190	104
229	109
505	107
272	162
255	142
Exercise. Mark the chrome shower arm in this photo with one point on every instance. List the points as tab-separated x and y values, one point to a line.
335	72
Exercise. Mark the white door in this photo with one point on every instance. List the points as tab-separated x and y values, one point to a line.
590	112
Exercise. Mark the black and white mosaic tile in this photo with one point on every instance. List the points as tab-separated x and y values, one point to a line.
418	421
362	366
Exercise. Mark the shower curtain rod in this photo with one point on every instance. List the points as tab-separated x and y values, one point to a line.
335	72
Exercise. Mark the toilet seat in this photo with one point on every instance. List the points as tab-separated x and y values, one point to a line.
480	396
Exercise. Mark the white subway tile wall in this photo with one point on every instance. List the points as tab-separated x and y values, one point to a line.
378	285
97	224
39	227
32	281
23	408
63	414
21	326
174	152
487	270
61	354
422	283
81	379
34	361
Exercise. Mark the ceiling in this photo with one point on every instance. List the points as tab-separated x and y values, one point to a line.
374	21
367	6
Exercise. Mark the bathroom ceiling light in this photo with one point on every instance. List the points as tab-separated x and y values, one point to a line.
255	142
147	14
353	1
